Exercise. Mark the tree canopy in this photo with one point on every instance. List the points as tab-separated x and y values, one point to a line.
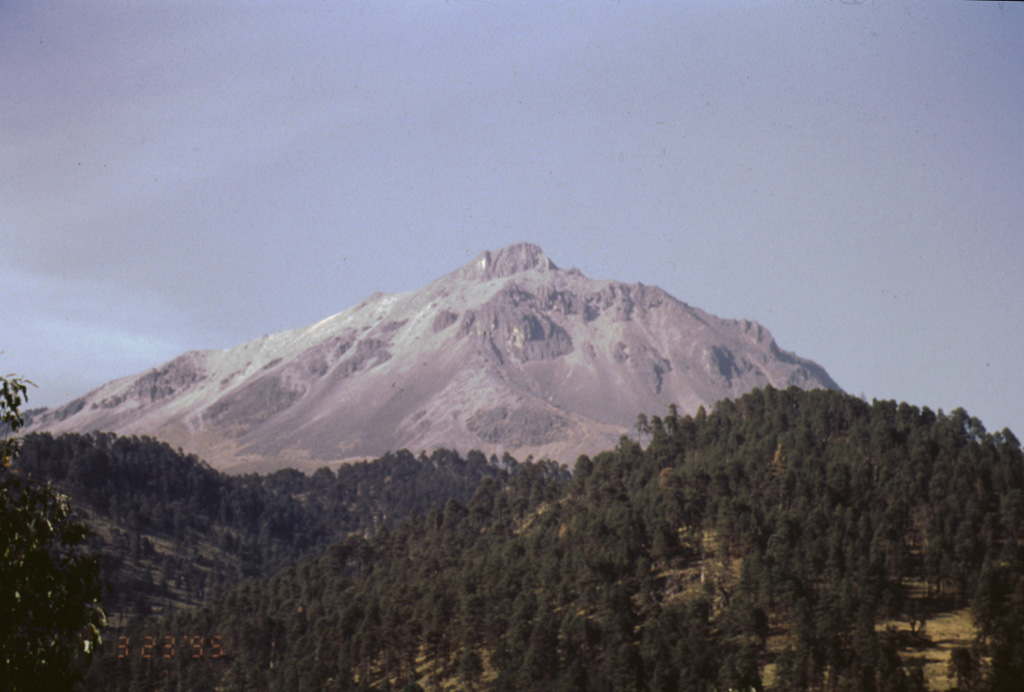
50	612
772	543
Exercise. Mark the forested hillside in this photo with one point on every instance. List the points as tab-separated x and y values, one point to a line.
172	531
789	540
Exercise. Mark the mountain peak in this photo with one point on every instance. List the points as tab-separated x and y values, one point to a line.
508	353
509	260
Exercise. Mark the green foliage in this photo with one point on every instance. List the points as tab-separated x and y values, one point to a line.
177	531
13	393
783	528
49	589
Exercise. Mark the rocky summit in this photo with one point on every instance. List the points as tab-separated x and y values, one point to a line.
509	353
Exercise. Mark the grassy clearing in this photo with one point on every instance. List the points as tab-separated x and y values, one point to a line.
934	643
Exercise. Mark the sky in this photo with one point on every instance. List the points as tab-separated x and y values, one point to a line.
178	175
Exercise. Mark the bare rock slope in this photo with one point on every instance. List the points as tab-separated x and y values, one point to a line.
508	353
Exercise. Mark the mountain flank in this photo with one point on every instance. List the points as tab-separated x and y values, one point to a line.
509	353
788	541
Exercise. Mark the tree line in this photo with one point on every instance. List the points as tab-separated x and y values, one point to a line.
768	544
171	532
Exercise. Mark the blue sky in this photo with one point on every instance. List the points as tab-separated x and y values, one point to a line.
178	175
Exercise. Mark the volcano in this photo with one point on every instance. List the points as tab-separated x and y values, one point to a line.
509	353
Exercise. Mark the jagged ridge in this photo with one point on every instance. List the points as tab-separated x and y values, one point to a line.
507	353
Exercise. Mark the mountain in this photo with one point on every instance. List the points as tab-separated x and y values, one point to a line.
507	354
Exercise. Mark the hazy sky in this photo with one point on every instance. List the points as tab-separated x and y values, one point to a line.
179	175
